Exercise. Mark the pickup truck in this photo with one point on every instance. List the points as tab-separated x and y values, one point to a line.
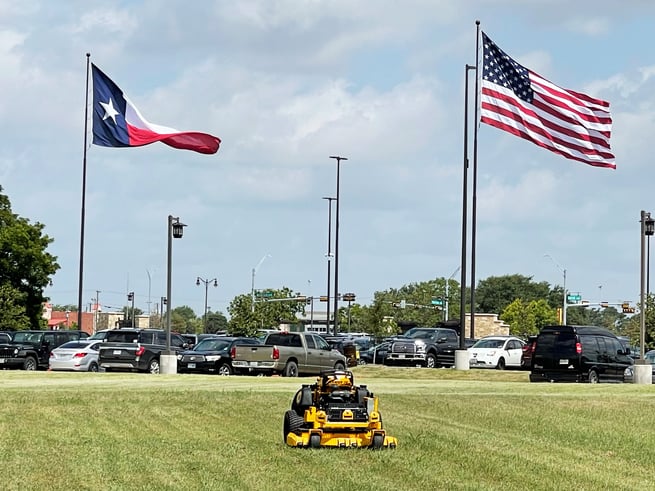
426	346
136	349
287	353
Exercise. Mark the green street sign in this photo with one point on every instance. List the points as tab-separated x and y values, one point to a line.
264	293
437	301
574	298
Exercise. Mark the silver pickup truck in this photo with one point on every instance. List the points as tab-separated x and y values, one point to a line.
289	354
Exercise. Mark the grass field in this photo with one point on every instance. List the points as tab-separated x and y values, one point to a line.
482	430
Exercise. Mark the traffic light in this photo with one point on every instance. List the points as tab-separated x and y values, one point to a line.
130	296
625	307
309	300
348	297
323	298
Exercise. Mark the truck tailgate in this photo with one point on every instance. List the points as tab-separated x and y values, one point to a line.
253	353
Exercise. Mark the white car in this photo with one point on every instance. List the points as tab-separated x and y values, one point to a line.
77	356
496	352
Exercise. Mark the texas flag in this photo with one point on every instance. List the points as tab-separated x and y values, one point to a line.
118	123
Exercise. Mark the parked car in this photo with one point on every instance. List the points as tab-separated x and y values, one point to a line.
76	356
526	355
212	355
579	354
288	353
375	354
426	346
137	349
193	339
30	350
346	346
498	352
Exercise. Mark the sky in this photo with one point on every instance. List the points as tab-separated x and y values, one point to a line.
285	84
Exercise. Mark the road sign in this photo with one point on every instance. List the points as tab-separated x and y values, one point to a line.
264	293
438	301
574	297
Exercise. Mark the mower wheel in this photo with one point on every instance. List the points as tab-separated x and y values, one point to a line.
292	423
378	441
315	441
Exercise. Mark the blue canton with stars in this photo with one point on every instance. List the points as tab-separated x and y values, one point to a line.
498	68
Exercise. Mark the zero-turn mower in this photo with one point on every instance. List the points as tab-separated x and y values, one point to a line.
334	412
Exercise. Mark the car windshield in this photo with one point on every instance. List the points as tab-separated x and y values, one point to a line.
419	334
27	337
489	343
212	345
650	357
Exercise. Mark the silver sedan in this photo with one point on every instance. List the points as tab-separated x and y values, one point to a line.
78	356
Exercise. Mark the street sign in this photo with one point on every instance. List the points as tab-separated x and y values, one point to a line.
438	301
348	297
264	293
574	297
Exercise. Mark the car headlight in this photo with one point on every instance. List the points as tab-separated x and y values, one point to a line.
16	350
213	357
179	357
420	346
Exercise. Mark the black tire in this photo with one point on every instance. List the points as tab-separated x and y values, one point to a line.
30	364
362	361
378	441
315	440
292	423
430	361
302	400
339	366
225	369
593	377
291	369
501	364
153	366
93	367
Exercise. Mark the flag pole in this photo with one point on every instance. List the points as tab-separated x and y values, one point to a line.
475	175
462	296
86	122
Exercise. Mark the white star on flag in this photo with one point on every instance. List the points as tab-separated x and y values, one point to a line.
110	112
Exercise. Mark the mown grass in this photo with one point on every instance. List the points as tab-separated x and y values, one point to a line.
482	430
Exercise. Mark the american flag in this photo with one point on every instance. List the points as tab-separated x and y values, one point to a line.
517	100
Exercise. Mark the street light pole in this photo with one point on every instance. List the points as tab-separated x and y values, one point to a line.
336	250
329	257
206	282
168	360
252	288
565	301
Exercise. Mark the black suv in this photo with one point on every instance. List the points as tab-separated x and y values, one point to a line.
579	354
426	346
30	350
136	349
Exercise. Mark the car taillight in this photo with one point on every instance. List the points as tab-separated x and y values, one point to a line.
78	355
532	347
52	355
578	348
140	350
233	352
276	353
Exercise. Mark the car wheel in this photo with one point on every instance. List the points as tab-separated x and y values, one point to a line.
291	369
501	364
30	364
593	377
430	362
339	366
93	367
225	369
362	362
292	423
153	366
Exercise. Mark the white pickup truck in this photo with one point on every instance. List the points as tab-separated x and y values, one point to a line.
289	354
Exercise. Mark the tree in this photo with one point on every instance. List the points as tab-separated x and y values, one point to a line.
12	310
25	265
281	307
216	322
527	318
495	293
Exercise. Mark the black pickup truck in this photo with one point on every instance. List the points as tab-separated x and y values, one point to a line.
426	346
136	349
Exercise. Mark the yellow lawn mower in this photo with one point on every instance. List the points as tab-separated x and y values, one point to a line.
334	412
